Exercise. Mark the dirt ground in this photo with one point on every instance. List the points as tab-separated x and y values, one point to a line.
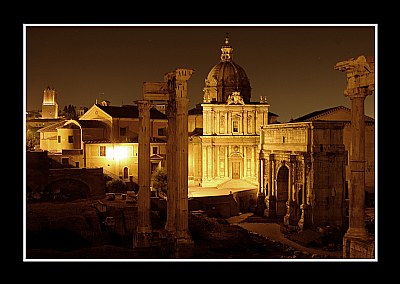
75	230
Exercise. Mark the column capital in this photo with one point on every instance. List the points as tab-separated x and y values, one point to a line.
361	92
183	74
144	107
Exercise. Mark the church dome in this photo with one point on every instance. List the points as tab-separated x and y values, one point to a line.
226	77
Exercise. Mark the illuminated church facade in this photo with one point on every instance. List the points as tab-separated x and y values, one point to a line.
225	128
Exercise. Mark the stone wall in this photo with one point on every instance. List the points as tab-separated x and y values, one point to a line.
225	206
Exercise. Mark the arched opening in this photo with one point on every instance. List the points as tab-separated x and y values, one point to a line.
126	172
282	183
66	189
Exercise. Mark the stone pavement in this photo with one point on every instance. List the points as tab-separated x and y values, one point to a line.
223	189
272	231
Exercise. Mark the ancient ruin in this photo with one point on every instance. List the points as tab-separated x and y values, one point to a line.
174	91
302	173
360	75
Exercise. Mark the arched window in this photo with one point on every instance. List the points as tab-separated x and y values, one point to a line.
126	172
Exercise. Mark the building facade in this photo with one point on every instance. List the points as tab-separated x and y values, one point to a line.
224	130
105	137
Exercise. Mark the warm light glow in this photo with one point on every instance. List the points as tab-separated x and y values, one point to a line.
119	152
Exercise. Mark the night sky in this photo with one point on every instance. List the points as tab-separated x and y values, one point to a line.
292	65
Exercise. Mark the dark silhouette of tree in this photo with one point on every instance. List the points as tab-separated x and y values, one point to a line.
31	140
70	112
116	185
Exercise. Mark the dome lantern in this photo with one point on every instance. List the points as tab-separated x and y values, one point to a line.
225	78
226	50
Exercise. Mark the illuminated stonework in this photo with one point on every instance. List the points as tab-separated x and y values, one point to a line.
302	173
49	105
224	131
229	145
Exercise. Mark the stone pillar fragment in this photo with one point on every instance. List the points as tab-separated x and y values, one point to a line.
261	181
183	241
360	75
305	218
357	166
171	160
144	175
290	217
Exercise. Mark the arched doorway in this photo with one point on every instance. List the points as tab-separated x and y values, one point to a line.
282	183
66	189
126	173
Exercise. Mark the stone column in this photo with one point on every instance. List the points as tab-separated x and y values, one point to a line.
141	239
226	164
209	163
261	182
229	126
360	75
171	160
357	165
244	122
261	185
183	241
289	218
305	219
270	199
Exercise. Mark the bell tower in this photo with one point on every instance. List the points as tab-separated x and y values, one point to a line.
49	105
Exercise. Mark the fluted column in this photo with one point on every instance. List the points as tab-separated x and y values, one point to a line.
305	218
183	241
289	218
357	165
261	181
144	176
270	199
171	160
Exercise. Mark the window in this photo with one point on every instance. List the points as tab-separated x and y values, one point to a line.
155	150
65	161
70	139
235	126
122	131
102	151
59	139
161	132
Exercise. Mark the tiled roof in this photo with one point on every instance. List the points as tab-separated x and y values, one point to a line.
130	111
52	127
91	124
316	114
196	110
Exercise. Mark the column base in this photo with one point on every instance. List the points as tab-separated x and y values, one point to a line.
290	218
270	210
357	233
358	248
260	204
305	221
141	240
183	247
